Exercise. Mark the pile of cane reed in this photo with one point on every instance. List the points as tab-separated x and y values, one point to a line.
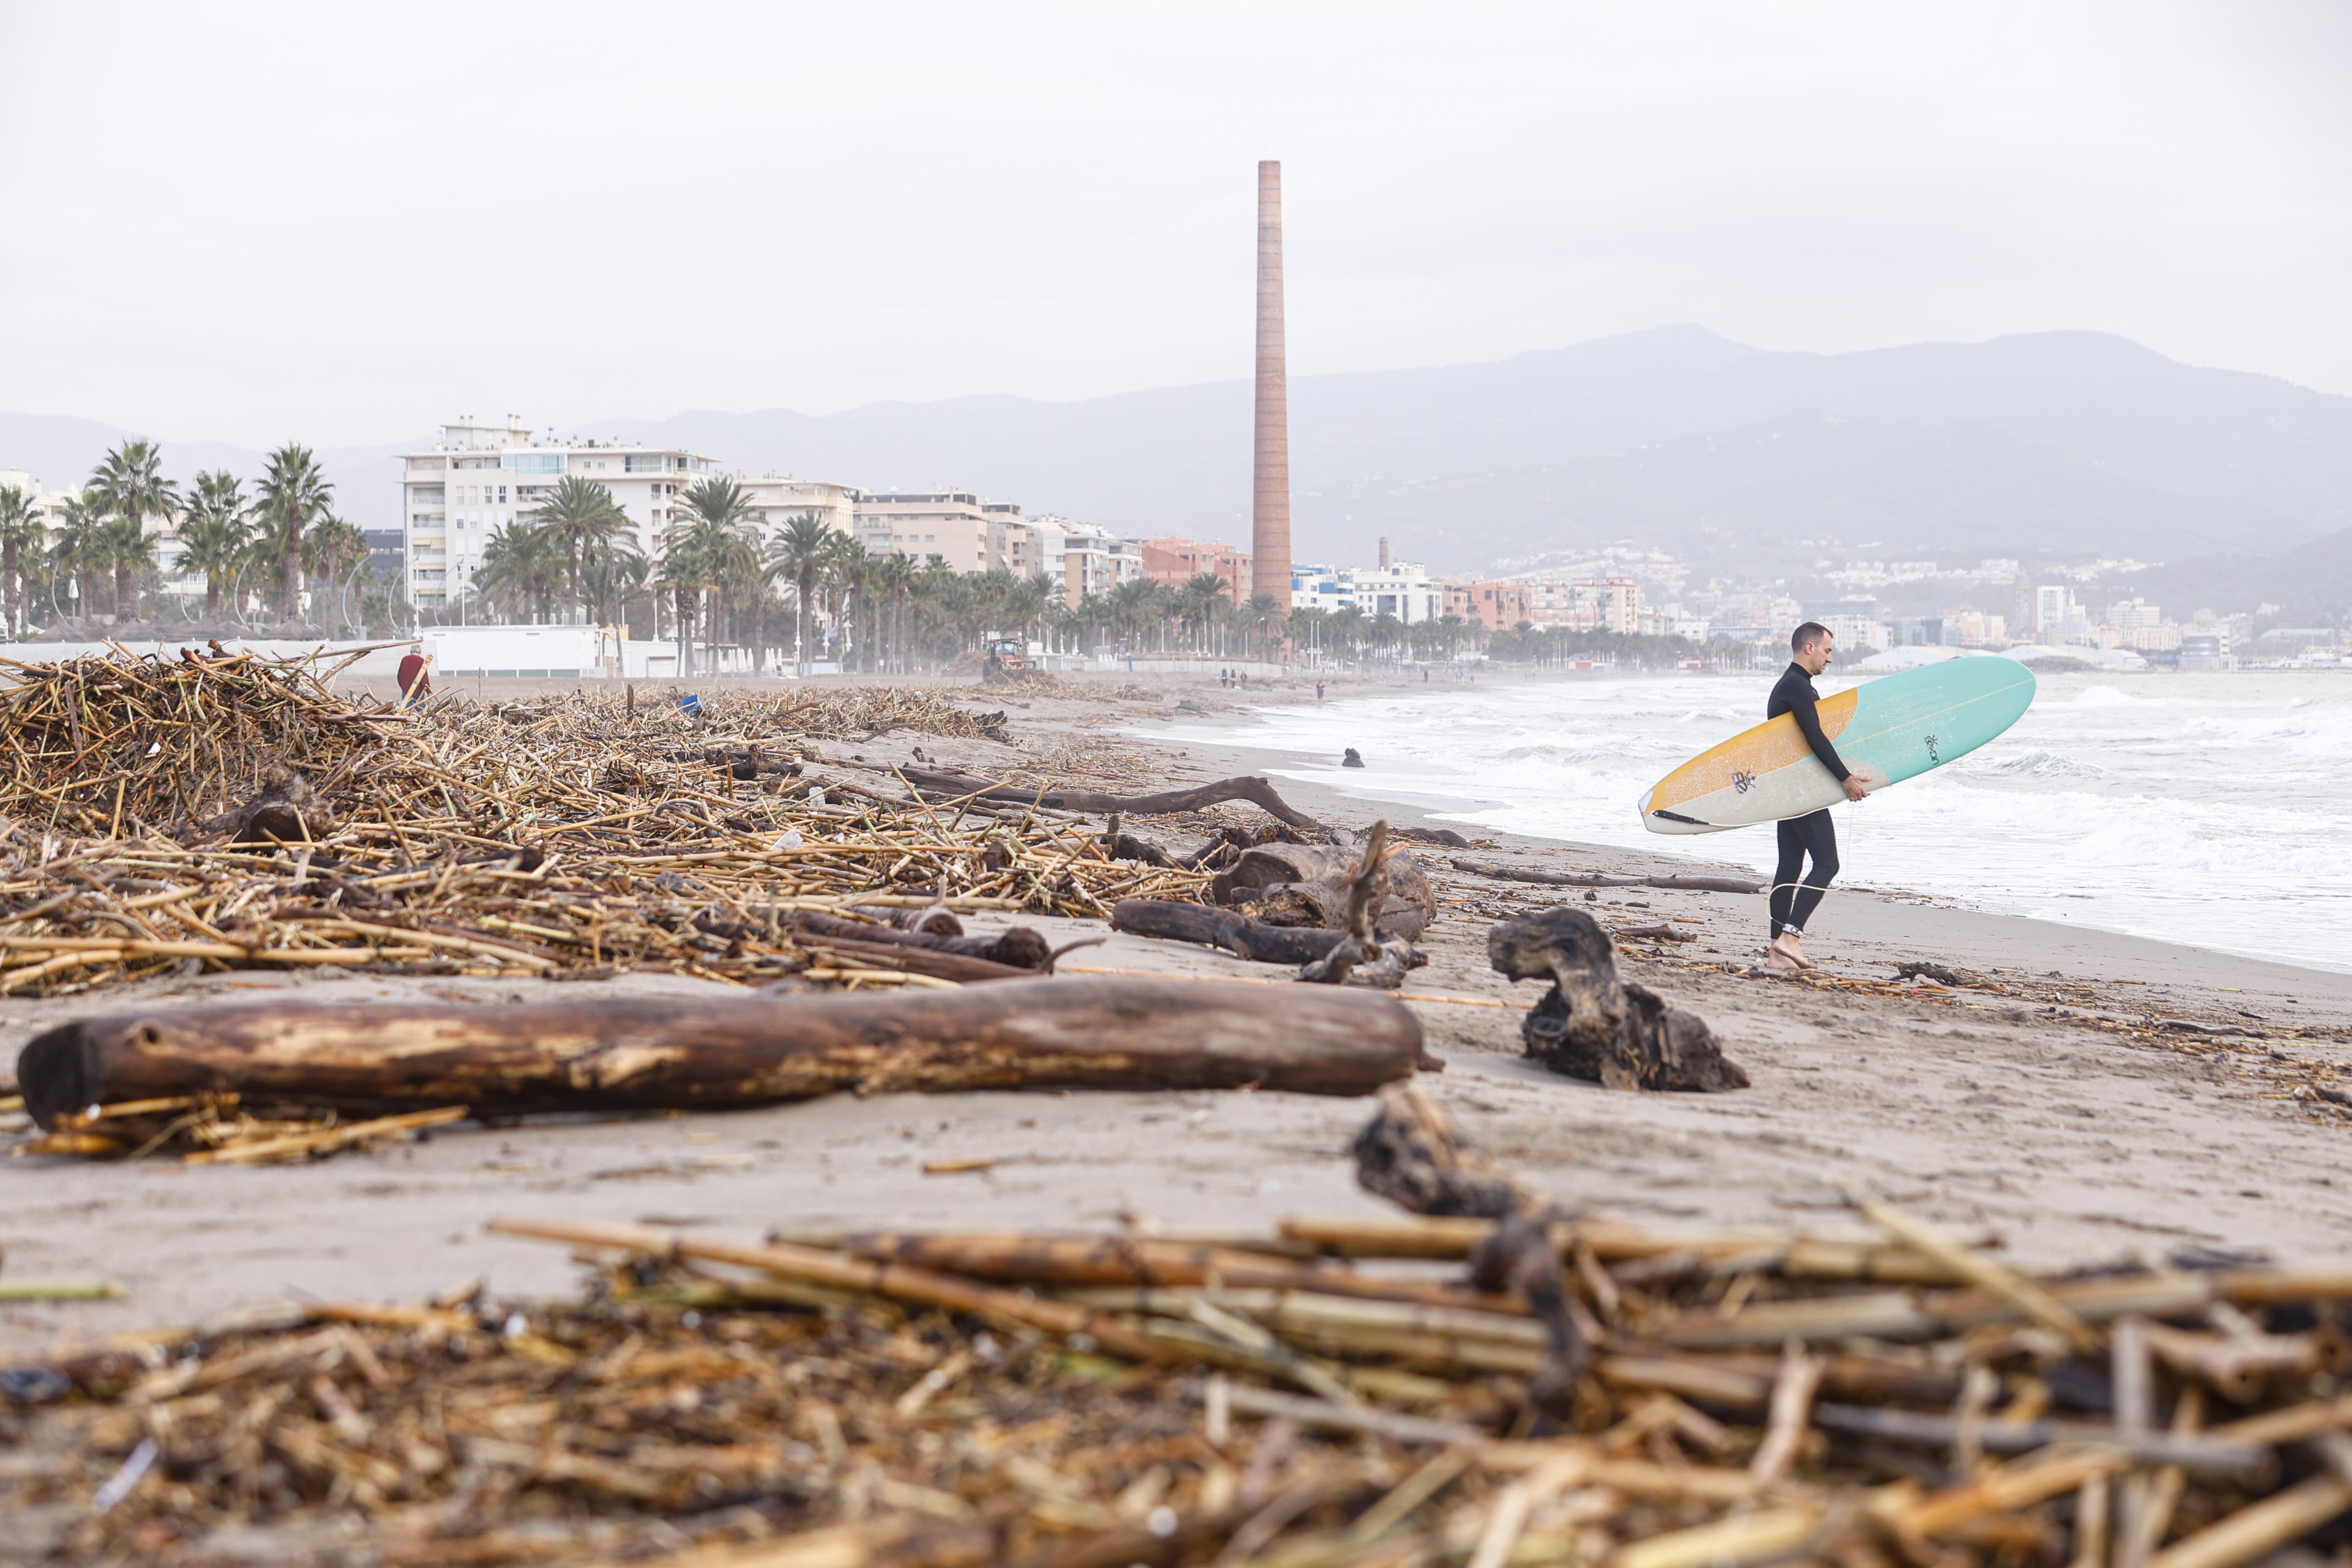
232	812
1324	1395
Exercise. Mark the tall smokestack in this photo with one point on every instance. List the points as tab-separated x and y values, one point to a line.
1270	477
1384	552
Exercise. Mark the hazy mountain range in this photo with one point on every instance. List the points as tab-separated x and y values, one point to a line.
2048	447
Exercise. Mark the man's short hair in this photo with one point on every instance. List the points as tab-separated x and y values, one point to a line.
1811	632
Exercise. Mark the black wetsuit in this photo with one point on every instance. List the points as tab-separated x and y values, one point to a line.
1792	900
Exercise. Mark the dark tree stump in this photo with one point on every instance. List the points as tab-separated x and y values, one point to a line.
1592	1026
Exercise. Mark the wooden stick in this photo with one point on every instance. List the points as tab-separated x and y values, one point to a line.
1792	1402
295	1145
891	1279
2260	1528
2029	1298
1742	1539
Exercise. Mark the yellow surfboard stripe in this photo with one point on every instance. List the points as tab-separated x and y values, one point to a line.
1755	753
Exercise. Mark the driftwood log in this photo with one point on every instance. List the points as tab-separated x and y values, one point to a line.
1592	1026
1309	884
673	1052
1604	879
1209	926
1022	947
1256	791
1360	957
285	810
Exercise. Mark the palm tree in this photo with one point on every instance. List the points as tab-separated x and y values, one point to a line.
711	533
799	552
519	569
1307	623
330	550
78	553
129	484
1196	602
292	491
128	549
1347	625
20	530
583	518
612	575
215	532
1265	611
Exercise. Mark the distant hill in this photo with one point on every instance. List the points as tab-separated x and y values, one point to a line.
2057	444
2060	443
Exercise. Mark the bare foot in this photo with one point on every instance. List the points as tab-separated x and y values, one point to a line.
1787	952
1775	959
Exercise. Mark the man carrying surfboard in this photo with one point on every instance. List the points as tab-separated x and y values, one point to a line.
1793	901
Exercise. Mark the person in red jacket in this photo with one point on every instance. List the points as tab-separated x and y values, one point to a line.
415	677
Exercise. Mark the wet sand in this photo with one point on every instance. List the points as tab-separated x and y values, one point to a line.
2030	1112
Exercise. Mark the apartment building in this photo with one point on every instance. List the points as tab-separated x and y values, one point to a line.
480	477
1498	606
949	526
1085	557
777	499
1399	589
1177	562
1014	543
1583	605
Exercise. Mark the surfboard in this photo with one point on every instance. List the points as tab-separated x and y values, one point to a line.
1887	730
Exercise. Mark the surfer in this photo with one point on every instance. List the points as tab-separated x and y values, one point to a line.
1793	901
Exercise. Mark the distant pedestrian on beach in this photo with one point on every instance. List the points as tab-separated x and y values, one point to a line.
1318	691
416	679
1793	901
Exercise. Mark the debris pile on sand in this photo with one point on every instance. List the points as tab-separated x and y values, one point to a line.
231	812
1590	1393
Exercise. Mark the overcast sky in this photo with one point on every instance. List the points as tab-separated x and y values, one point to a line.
345	224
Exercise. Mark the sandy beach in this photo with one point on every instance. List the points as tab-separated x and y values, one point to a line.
2047	1109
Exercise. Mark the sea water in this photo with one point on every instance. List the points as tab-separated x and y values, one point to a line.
2212	809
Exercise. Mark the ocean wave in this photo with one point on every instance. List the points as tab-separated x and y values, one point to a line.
2039	762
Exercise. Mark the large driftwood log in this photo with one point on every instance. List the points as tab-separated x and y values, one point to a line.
674	1052
1603	879
1212	927
1256	791
1592	1026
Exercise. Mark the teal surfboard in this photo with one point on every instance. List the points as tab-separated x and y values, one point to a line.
1887	730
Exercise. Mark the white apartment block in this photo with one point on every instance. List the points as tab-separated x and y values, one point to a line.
776	499
480	477
1392	588
948	526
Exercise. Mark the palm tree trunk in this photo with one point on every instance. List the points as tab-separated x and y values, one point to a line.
805	583
290	569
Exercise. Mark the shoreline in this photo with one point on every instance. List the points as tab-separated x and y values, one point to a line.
1295	767
2051	1110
